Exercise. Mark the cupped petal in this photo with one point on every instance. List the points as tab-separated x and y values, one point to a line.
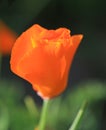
43	57
71	50
43	68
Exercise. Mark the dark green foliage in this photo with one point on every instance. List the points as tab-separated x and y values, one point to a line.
13	111
64	109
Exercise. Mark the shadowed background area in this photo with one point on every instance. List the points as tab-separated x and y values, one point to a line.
88	68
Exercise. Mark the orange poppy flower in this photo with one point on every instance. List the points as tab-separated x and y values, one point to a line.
43	57
7	39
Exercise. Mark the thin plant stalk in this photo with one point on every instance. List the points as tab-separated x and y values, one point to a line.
78	117
42	123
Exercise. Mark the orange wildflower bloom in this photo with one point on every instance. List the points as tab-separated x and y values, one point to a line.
7	39
43	57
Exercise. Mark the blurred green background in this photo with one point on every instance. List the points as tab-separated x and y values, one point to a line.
87	79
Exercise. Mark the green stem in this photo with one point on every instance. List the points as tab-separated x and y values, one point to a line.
42	122
78	117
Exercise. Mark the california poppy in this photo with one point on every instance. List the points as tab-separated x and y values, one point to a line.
7	38
43	57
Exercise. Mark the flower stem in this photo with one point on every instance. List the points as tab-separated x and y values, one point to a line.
42	122
78	117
